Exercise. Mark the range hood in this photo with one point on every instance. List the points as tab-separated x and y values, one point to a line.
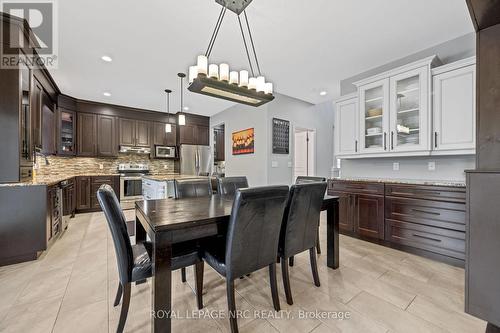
133	149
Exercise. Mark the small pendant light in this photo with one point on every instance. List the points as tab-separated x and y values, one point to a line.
168	126
182	117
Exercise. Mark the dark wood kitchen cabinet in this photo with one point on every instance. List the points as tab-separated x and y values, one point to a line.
87	134
86	189
361	207
162	138
195	132
66	132
134	133
36	114
106	136
69	198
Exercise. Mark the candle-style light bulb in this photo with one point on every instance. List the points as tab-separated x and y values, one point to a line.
224	72
243	78
202	64
193	73
261	83
268	88
233	77
252	83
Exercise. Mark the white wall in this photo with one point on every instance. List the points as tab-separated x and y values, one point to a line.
258	166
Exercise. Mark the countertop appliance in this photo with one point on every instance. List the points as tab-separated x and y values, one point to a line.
195	160
131	183
165	152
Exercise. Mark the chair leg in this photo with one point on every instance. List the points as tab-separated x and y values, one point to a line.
231	305
124	310
314	267
183	275
318	245
118	295
198	270
286	281
274	287
291	261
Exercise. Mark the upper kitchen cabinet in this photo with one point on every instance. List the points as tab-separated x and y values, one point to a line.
135	133
87	134
195	132
374	116
106	136
66	140
162	138
454	108
346	126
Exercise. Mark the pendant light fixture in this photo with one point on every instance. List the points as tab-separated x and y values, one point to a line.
218	81
168	126
181	117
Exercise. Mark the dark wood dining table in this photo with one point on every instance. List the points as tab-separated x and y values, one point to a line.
171	221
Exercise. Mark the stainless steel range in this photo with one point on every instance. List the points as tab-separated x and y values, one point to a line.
131	183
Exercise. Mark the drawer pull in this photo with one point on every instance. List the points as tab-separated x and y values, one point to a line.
425	212
428	238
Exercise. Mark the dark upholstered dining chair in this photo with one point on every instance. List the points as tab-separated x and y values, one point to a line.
191	188
309	179
134	261
229	185
299	228
251	242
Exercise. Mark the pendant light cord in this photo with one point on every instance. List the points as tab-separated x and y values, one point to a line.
182	95
216	32
251	41
246	46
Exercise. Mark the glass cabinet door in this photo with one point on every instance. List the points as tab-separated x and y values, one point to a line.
374	113
25	113
409	112
67	137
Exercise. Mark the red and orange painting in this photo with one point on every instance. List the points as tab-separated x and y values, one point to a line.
243	142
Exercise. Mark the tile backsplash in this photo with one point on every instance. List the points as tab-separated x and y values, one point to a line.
91	165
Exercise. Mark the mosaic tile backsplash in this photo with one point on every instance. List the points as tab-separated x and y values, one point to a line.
90	165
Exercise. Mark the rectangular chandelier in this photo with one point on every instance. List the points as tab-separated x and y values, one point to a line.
231	92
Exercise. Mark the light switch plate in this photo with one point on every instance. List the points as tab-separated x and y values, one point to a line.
101	166
395	166
165	166
274	164
431	166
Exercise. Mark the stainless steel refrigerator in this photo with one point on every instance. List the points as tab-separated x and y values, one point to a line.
195	160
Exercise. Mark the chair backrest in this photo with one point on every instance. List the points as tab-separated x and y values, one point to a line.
307	179
192	188
301	218
118	227
254	228
229	185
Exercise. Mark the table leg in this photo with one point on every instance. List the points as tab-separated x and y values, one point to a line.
161	291
332	233
140	232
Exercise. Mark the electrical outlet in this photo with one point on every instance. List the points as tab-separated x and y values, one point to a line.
274	164
395	166
431	166
165	167
101	166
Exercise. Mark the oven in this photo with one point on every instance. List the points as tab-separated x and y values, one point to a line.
130	187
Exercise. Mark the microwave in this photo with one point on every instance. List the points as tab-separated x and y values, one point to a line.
165	152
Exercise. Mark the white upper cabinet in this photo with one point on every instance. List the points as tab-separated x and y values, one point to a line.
374	116
454	108
410	116
346	126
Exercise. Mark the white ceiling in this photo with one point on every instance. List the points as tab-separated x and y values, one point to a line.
304	46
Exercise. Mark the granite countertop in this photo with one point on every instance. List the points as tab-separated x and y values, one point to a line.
52	180
451	183
170	177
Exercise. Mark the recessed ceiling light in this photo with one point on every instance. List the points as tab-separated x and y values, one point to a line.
186	108
323	93
107	58
107	94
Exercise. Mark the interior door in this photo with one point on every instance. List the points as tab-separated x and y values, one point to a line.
409	111
374	117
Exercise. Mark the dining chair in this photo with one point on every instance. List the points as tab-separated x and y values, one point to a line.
229	185
134	261
191	188
299	228
251	242
305	180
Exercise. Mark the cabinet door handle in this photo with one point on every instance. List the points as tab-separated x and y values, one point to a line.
428	238
392	140
385	141
435	139
356	146
425	212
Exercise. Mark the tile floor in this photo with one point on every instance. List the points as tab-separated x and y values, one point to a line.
72	286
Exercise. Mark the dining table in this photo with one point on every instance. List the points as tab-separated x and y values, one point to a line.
171	221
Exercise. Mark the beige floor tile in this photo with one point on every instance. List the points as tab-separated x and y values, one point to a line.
84	289
445	318
89	318
390	316
323	328
258	325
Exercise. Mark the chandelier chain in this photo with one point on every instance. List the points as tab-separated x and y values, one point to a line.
251	41
246	46
216	32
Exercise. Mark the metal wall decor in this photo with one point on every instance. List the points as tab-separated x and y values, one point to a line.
281	136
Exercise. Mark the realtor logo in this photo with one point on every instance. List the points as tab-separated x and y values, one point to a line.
41	16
